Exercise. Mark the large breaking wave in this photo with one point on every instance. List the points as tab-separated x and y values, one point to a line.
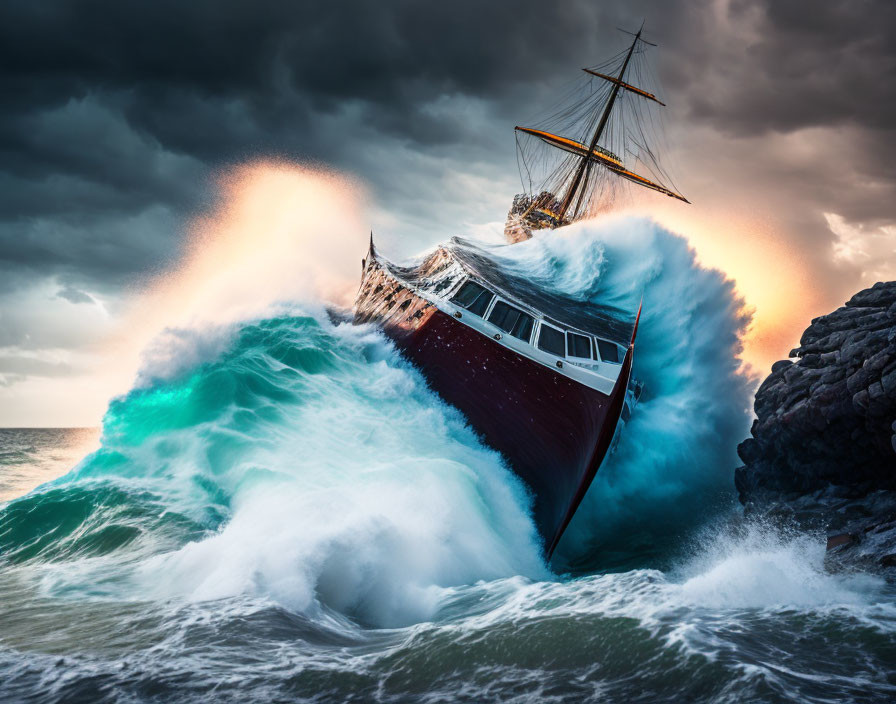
304	462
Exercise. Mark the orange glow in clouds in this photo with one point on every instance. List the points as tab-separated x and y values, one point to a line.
768	272
280	233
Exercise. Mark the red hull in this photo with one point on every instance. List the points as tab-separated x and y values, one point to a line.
553	431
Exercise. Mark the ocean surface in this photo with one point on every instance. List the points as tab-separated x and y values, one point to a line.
296	517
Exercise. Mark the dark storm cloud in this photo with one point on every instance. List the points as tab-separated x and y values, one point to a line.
805	65
211	77
782	66
116	114
118	110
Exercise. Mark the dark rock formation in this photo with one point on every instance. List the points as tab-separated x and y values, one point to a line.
823	440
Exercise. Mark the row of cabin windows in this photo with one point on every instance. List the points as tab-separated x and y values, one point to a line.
476	299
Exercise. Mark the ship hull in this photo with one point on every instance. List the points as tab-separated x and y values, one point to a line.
553	431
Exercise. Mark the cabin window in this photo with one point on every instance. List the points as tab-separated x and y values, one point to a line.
467	293
552	340
608	351
512	320
579	345
473	297
522	328
480	305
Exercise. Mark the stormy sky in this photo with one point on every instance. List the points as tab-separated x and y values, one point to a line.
116	117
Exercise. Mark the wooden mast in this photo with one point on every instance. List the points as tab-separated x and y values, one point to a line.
586	160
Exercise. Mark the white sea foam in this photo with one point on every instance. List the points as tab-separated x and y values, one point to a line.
366	498
732	578
762	568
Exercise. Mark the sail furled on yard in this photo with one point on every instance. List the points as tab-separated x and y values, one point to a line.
605	134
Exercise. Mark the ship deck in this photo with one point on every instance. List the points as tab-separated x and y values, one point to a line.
605	321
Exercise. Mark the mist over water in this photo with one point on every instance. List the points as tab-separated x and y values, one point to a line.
281	505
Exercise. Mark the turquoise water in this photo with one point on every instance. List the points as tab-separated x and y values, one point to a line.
297	517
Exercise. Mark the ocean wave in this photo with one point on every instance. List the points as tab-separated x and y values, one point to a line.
282	503
673	465
323	473
321	469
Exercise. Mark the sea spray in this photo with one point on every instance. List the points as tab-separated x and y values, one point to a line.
738	564
672	467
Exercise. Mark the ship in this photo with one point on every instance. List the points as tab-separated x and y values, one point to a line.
545	379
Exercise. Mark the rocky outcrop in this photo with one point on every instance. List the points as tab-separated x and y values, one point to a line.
823	439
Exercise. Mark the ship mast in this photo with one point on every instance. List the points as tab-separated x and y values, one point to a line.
586	159
571	182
